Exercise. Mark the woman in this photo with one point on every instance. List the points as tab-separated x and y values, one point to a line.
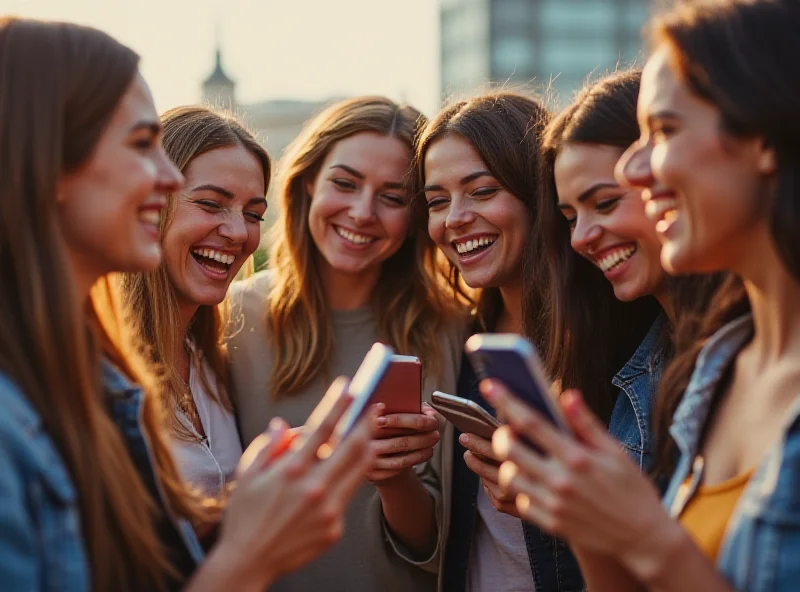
477	169
348	269
208	231
91	497
609	294
718	160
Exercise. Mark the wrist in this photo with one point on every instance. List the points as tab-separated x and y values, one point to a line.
655	557
234	568
397	483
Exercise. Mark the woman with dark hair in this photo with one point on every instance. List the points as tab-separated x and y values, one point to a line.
609	294
719	161
91	498
477	166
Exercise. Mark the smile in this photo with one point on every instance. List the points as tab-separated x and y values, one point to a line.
474	246
214	261
354	237
615	258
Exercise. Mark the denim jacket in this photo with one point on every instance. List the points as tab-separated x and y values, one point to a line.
760	551
553	566
41	543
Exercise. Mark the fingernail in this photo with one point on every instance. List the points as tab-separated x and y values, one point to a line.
382	421
487	390
501	442
464	439
275	424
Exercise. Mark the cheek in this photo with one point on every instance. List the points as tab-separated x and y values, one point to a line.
253	238
436	227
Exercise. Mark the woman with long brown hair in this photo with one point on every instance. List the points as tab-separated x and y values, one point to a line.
208	231
91	496
347	269
718	163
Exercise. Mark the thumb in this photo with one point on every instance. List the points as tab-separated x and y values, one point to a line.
584	423
263	450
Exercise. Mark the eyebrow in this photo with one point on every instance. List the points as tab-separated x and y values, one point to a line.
588	193
358	175
225	193
153	126
663	114
468	179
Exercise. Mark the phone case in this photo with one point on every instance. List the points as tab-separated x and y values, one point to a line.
465	415
400	390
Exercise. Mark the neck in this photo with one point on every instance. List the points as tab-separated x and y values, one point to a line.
186	312
665	300
511	319
345	291
84	277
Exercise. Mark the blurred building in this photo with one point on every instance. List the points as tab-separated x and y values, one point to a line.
535	41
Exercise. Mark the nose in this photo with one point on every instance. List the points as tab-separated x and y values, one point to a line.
633	168
584	235
168	178
234	227
362	210
458	214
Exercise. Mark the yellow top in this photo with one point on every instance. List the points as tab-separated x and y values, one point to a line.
706	515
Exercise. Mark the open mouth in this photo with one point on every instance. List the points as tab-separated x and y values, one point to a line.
354	237
663	210
474	246
215	261
613	259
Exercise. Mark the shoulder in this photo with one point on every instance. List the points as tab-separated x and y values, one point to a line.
18	414
253	289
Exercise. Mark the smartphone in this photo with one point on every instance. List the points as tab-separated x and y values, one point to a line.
512	360
362	388
400	390
466	415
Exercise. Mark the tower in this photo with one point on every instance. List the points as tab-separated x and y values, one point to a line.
218	89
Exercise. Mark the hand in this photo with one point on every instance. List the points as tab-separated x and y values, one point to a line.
583	488
283	514
482	461
401	453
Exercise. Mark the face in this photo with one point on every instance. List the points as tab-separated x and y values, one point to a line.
359	214
703	188
608	225
473	219
110	207
216	224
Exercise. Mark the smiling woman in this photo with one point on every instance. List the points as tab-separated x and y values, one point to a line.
210	228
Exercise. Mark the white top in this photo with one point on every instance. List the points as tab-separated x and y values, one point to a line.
499	561
207	464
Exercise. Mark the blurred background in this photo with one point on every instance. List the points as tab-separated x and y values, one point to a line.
277	62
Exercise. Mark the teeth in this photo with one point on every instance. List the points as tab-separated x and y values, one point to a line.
658	208
471	245
358	239
224	258
613	259
150	216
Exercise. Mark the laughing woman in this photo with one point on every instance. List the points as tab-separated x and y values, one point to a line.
208	231
348	269
718	162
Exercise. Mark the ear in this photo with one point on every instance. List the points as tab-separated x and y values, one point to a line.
309	185
766	159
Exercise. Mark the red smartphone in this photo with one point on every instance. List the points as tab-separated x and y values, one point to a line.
400	390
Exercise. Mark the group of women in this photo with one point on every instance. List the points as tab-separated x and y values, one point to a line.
644	239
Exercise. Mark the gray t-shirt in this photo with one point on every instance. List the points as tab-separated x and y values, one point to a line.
499	559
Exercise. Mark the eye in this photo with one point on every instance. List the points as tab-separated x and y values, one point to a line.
662	131
485	191
394	199
254	216
345	184
436	203
606	204
208	204
144	144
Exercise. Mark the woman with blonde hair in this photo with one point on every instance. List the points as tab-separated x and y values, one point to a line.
91	496
348	268
208	231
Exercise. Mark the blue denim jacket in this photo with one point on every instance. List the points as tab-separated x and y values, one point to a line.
760	551
41	544
553	566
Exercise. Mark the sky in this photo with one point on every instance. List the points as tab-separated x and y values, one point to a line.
307	49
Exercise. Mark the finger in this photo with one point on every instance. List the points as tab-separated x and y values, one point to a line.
347	468
532	510
529	423
262	450
585	424
410	421
526	459
484	470
404	444
477	445
496	493
402	461
314	439
429	411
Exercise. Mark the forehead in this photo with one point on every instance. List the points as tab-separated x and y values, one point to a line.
451	158
233	168
580	166
372	154
660	88
135	105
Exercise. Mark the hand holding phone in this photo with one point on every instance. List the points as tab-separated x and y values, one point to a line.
400	391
